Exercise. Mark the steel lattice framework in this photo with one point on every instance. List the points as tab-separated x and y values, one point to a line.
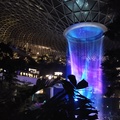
42	22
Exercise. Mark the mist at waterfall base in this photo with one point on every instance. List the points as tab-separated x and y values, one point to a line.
85	51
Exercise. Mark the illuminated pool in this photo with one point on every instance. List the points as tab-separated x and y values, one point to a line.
85	32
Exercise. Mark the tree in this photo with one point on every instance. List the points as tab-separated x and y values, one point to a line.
12	93
63	105
111	69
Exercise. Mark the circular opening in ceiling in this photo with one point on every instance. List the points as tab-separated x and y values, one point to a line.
87	31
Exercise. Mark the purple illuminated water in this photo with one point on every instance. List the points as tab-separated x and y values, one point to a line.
85	53
85	60
85	48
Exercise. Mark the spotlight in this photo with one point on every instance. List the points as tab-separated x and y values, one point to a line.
75	99
50	77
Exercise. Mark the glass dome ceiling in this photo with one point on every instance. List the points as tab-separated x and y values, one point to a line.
42	22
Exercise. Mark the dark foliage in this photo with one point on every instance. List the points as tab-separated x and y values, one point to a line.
111	70
113	32
9	64
63	106
13	92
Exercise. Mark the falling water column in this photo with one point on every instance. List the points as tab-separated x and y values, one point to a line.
85	53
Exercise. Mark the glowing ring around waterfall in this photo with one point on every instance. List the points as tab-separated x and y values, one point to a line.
86	31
